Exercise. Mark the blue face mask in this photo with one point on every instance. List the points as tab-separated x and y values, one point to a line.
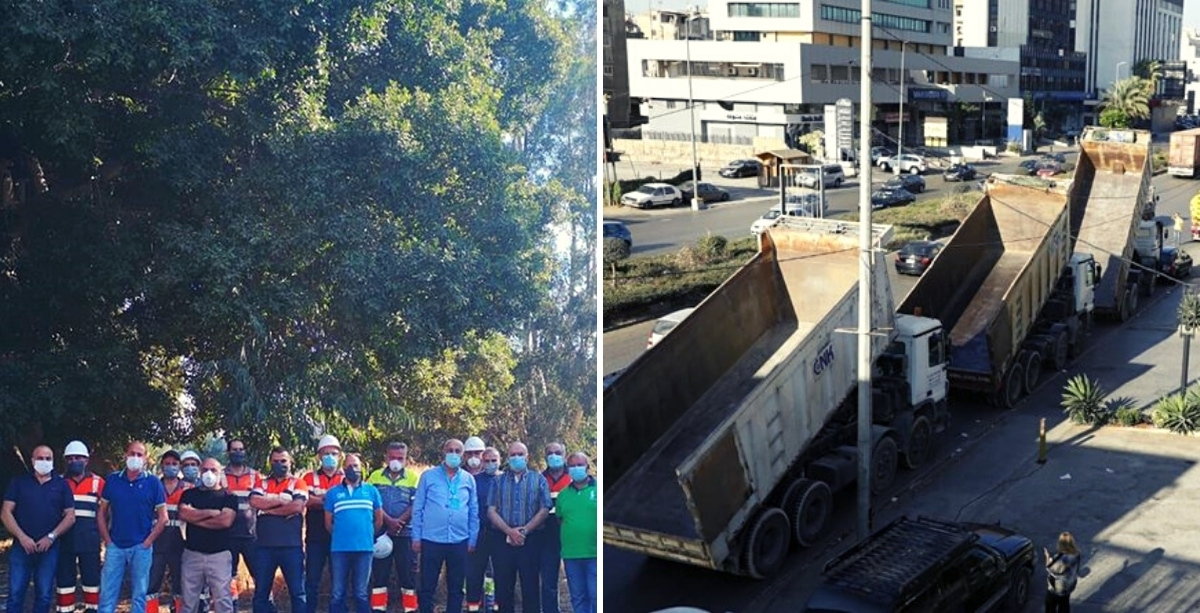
171	472
578	473
328	461
453	460
517	463
554	461
191	473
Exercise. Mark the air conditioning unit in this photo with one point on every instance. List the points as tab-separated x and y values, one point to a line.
731	71
991	28
752	72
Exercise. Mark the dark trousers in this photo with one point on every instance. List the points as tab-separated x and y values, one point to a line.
511	561
288	559
433	556
477	563
316	558
401	560
550	563
158	569
78	568
1057	604
244	548
37	567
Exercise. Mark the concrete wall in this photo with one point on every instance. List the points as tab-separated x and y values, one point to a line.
679	153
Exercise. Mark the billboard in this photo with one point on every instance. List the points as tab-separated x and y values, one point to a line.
1016	118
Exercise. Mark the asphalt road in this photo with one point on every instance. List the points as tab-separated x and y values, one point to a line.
638	584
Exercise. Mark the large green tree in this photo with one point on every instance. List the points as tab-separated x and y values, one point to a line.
273	219
1125	102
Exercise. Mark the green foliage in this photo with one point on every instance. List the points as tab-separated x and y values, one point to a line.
925	219
814	143
1179	413
615	250
1126	101
1158	161
1125	411
1083	401
1013	146
712	246
1189	310
658	284
1114	118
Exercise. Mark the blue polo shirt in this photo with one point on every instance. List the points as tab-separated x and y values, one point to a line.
132	506
39	506
353	516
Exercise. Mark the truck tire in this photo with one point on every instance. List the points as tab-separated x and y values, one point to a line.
766	543
808	505
1014	386
1151	282
920	441
885	460
1032	360
1059	351
1018	591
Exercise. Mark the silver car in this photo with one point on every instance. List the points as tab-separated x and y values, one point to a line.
906	162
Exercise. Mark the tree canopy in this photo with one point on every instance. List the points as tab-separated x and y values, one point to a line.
276	219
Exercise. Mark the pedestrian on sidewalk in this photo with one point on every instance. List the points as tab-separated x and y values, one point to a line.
1062	573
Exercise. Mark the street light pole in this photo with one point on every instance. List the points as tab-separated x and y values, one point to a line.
866	259
692	110
1117	72
900	143
983	116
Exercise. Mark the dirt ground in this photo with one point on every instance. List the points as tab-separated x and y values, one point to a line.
246	591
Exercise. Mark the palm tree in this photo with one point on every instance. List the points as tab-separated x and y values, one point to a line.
1126	100
1150	71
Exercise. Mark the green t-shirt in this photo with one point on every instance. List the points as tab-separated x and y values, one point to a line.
578	517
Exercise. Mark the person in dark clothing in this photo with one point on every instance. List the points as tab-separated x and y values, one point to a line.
209	511
38	508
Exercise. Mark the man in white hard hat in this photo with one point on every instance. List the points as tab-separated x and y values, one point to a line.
316	540
79	548
477	560
189	462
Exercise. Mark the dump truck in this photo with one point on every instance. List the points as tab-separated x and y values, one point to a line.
1183	157
1008	290
725	443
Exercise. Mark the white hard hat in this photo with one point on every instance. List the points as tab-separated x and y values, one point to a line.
474	444
328	440
383	546
189	455
76	448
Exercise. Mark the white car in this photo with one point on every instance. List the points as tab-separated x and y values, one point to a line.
665	325
907	162
798	205
835	175
651	195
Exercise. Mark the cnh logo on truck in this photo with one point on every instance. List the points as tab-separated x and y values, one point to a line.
824	359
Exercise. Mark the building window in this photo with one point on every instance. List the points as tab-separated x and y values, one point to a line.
745	36
919	3
764	9
608	69
895	22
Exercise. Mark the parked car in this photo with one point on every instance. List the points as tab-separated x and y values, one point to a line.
651	195
617	229
664	326
912	183
1048	168
960	172
906	162
708	192
1027	167
1057	157
916	256
889	196
741	168
834	176
880	151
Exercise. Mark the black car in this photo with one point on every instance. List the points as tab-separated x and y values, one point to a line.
618	230
914	184
929	566
960	172
916	256
741	168
1028	167
889	197
708	192
1057	157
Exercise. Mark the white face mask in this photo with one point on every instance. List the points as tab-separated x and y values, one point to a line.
396	465
135	463
474	462
209	479
43	467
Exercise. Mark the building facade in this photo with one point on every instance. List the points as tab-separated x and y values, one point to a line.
622	112
1117	34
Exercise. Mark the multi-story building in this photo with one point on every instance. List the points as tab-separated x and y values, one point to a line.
1189	52
672	25
622	111
774	66
1117	34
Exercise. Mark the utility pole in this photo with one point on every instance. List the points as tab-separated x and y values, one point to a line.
865	261
692	109
900	139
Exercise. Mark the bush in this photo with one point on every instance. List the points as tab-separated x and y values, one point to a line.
1124	411
1178	413
1158	161
615	250
1014	146
712	247
1083	401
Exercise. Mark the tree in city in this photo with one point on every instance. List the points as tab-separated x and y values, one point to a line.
1150	71
1124	103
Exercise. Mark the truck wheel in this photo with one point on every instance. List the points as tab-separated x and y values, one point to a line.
808	506
1152	284
885	459
1033	370
1059	356
766	544
1014	386
1018	592
920	441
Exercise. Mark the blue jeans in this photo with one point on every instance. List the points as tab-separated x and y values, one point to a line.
288	559
116	559
433	555
581	580
41	568
316	555
350	570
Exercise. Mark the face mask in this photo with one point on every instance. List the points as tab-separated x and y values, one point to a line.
76	468
43	467
491	467
578	473
279	470
209	479
170	472
395	465
474	462
554	461
453	460
135	463
190	473
329	461
517	463
237	458
352	474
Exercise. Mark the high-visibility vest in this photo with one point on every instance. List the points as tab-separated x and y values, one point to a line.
318	484
556	485
241	486
84	535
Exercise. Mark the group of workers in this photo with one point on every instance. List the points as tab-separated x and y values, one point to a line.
197	519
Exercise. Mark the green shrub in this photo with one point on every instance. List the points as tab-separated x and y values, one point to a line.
1178	413
1083	401
1158	161
615	250
1014	146
1124	411
712	247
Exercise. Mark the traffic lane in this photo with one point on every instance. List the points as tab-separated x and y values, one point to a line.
623	345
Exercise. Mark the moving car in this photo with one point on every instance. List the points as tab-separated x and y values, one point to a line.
1028	167
708	192
916	256
664	326
617	229
880	151
741	168
960	172
912	183
906	162
834	176
886	197
651	195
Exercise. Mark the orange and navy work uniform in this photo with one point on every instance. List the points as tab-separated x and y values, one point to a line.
168	549
79	548
241	533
